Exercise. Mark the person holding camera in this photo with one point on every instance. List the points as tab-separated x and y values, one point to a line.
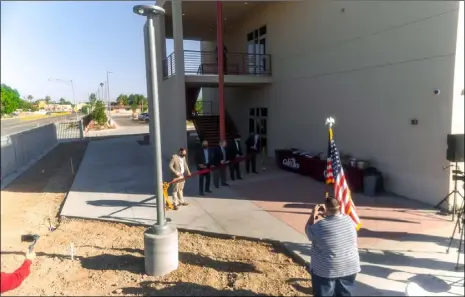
335	261
11	281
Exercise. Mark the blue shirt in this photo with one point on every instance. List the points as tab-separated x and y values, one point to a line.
205	153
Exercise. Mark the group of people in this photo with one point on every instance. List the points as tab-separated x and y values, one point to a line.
334	252
226	155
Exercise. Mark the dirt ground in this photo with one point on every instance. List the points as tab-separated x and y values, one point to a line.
109	257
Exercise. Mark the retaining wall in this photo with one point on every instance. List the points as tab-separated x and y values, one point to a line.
20	149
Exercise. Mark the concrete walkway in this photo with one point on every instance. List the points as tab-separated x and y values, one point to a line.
115	182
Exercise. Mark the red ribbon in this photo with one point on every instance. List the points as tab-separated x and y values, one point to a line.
207	170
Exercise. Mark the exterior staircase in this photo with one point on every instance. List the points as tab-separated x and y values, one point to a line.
207	125
208	128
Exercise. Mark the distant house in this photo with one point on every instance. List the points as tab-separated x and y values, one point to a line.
59	107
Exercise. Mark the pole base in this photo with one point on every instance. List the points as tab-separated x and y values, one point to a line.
161	251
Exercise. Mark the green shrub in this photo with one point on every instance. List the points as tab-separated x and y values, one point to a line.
85	109
99	114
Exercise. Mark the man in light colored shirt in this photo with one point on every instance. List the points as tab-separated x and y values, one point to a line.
334	254
179	169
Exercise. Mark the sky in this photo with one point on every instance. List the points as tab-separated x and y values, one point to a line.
76	41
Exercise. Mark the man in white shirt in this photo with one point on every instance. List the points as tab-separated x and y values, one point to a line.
179	169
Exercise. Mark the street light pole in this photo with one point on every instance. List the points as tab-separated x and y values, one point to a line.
108	95
161	240
74	100
70	82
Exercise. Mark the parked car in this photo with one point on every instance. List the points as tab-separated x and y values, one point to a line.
144	117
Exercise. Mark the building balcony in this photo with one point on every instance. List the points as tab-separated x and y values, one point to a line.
205	63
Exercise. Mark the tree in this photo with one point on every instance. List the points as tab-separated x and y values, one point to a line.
122	100
85	109
10	99
30	97
92	101
134	108
99	114
48	99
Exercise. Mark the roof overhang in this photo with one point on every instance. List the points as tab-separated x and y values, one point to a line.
199	17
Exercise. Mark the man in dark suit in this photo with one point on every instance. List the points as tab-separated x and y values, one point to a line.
220	161
204	159
234	151
253	145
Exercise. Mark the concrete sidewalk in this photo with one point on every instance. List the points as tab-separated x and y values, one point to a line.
115	182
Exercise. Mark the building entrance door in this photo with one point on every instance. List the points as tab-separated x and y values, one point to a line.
258	124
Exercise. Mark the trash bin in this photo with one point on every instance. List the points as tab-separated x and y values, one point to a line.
371	180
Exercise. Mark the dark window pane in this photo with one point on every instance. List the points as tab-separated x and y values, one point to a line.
257	112
264	112
262	30
251	126
263	126
255	34
252	112
250	36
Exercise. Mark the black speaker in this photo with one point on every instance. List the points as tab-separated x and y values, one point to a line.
455	147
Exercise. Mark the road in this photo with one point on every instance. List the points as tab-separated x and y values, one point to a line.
125	120
12	126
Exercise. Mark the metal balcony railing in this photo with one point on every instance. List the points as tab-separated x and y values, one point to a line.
205	62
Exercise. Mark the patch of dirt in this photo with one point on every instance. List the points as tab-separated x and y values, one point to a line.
108	257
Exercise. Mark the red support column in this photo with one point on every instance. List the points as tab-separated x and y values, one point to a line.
220	46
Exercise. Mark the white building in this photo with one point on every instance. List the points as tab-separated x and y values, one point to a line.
372	65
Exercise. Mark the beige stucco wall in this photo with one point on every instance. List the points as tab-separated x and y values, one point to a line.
373	66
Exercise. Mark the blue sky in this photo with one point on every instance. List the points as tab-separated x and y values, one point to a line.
74	40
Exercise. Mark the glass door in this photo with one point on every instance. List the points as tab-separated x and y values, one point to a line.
258	124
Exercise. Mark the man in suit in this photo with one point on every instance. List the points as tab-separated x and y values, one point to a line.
253	145
220	161
179	168
234	151
204	159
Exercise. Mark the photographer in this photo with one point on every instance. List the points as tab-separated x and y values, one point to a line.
334	254
11	281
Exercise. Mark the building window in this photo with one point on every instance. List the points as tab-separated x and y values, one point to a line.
256	48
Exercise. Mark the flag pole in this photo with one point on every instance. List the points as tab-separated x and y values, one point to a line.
329	122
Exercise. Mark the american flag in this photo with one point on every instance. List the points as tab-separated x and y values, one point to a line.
335	175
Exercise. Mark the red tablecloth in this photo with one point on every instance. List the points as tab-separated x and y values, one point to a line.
315	167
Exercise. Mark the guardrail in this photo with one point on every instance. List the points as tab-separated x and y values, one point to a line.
205	62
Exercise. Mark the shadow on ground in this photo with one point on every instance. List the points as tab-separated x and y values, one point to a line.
135	263
184	289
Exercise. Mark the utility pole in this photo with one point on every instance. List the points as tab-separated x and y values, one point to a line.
108	95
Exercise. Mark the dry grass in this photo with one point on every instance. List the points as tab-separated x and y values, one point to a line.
109	256
42	116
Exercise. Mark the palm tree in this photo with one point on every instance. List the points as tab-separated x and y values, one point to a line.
29	97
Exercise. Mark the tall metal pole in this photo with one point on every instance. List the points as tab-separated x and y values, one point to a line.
152	81
220	46
74	99
108	95
161	240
